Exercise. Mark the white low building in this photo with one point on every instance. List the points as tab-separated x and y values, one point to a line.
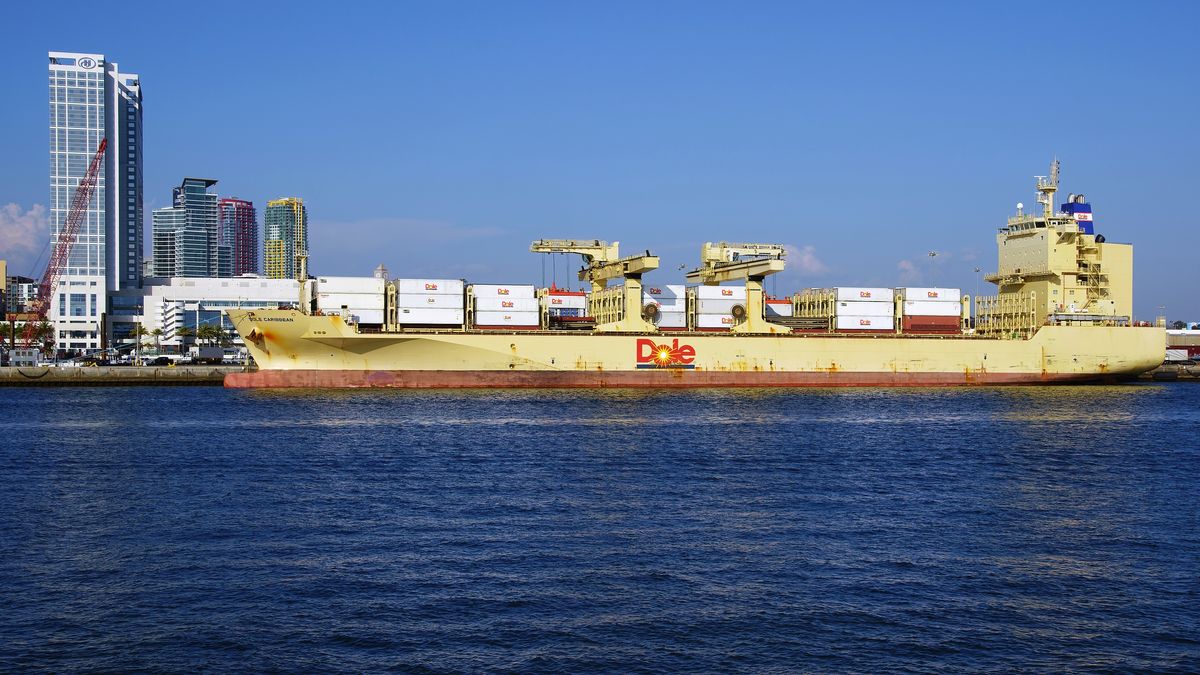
192	302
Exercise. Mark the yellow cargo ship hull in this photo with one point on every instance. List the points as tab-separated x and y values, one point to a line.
293	349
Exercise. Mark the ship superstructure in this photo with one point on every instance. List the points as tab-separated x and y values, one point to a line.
1062	313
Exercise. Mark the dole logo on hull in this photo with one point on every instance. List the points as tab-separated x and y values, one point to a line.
653	355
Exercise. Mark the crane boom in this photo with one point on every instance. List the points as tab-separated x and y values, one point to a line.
733	262
62	245
602	262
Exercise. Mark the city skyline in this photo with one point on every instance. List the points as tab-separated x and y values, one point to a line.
919	139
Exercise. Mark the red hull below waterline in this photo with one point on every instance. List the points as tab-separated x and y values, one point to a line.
665	378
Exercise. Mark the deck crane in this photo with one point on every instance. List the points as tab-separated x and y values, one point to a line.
733	262
602	262
62	245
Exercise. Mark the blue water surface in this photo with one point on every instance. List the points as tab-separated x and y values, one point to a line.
176	529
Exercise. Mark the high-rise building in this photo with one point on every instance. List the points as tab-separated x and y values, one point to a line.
286	244
239	231
90	99
187	235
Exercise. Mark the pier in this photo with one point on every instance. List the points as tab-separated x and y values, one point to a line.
115	376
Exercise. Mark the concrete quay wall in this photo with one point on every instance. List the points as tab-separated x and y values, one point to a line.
115	376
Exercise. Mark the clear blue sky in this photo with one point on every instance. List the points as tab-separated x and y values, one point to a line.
440	138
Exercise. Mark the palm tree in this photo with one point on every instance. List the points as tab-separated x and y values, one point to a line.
139	331
7	331
157	333
183	333
208	333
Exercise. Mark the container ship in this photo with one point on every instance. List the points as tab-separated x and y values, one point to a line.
1061	313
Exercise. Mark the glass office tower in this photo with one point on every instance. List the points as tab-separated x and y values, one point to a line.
90	99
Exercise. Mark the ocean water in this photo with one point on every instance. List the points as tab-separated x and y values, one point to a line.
183	529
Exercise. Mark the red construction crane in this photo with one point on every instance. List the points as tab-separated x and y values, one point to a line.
62	247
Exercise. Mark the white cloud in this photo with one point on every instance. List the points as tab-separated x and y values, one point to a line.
23	235
804	260
909	273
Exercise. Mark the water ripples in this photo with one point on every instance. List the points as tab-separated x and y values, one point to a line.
865	530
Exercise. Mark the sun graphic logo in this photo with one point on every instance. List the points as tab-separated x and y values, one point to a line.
653	355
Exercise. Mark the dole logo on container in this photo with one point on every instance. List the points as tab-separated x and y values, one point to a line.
864	294
931	294
655	291
726	291
506	303
653	355
430	286
501	291
556	301
864	322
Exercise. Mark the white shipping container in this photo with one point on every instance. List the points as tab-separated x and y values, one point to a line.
1177	355
503	304
414	301
353	300
429	286
367	315
566	301
349	285
778	309
931	294
714	321
865	323
504	290
718	306
858	294
666	295
506	319
672	320
721	292
865	309
931	308
667	304
440	317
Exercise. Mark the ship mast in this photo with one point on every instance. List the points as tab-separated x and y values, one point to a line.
1047	186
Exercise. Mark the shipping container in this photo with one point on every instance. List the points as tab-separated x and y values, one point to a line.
1177	355
714	321
931	324
430	316
857	294
326	301
506	304
412	300
429	286
717	306
721	292
777	308
931	294
562	301
367	315
671	320
927	308
670	295
350	285
521	319
865	309
846	322
666	305
504	290
566	312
